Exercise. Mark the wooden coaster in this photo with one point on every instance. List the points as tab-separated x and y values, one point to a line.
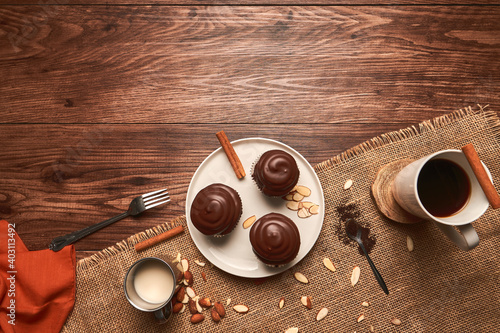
382	193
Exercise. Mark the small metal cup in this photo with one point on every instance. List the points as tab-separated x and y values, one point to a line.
162	311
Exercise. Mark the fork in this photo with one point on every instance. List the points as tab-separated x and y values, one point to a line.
136	207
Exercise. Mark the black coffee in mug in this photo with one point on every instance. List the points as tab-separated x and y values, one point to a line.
443	187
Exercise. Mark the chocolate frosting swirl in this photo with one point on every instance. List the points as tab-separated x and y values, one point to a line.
276	173
275	239
216	209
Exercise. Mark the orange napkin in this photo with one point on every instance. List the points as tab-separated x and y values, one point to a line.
37	288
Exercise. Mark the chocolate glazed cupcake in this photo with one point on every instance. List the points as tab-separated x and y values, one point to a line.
275	239
216	210
276	173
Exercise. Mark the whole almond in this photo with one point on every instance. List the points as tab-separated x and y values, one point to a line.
281	304
396	321
197	318
306	301
180	276
190	292
355	275
215	315
329	264
301	277
205	302
240	308
249	221
188	277
321	314
192	306
180	294
220	309
177	307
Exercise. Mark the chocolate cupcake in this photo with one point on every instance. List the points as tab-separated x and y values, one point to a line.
216	210
275	173
275	239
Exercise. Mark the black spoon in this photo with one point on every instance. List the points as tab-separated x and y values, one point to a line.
357	237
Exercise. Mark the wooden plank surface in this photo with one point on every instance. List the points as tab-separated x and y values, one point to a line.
240	64
100	103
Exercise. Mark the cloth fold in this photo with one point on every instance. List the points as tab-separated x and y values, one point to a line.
37	288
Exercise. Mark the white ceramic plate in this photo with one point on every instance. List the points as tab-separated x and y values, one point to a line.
233	253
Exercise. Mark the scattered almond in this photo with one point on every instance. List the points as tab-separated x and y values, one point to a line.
190	292
197	318
198	306
188	277
303	213
321	314
180	276
372	329
361	318
314	209
179	267
303	190
183	308
292	330
177	259
292	205
205	302
204	276
199	263
249	221
228	301
348	184
177	307
215	315
365	303
306	301
282	302
301	277
409	243
396	321
180	294
329	264
192	307
220	309
185	265
297	197
355	275
185	300
240	308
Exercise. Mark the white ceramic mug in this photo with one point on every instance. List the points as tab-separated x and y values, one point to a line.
405	192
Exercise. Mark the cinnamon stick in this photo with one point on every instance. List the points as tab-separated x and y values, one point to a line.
231	154
158	238
481	175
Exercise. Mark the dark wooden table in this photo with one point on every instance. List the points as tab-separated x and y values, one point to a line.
101	101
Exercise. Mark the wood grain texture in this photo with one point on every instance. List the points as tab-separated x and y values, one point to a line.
61	178
246	64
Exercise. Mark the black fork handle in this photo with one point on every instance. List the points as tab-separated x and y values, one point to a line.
59	242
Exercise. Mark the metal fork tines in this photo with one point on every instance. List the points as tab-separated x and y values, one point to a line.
156	198
136	207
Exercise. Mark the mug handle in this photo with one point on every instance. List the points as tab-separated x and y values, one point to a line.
163	315
466	239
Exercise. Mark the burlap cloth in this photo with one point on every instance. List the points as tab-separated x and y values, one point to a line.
435	288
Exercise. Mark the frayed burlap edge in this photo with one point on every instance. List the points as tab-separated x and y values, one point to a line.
409	132
127	244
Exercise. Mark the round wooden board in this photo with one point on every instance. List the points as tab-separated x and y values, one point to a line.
382	193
